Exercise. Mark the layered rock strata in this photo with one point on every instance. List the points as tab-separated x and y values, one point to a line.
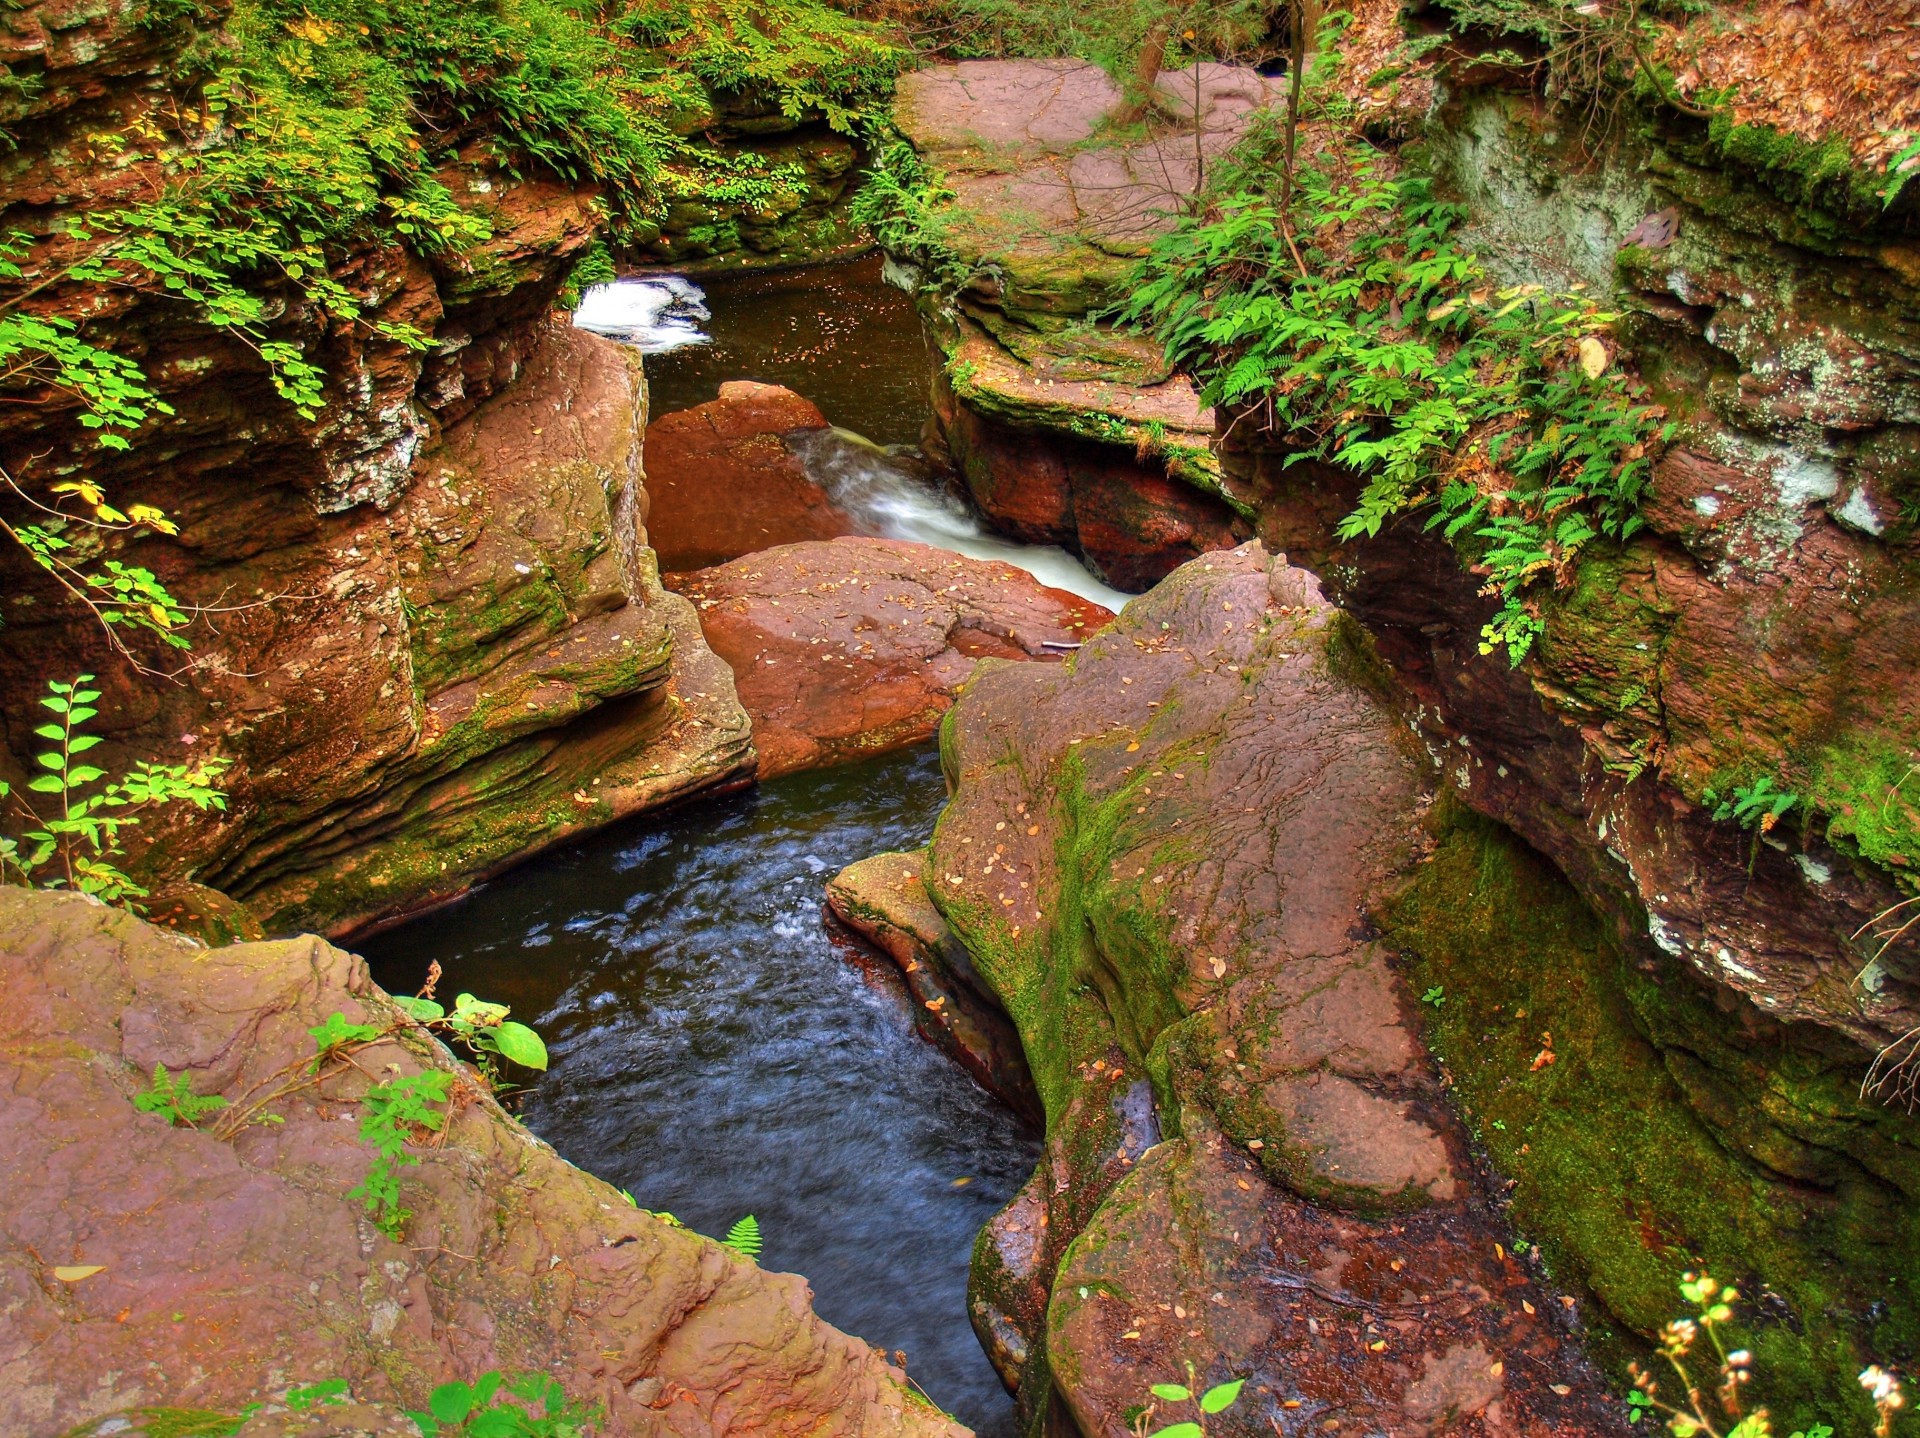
204	1268
1159	859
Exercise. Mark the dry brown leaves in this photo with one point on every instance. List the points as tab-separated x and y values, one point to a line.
1811	68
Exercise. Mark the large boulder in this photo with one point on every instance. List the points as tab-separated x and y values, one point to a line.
487	669
849	648
144	1264
722	480
1160	859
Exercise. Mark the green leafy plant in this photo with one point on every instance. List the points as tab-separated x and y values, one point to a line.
1321	294
391	1112
744	1238
483	1028
174	1100
1758	806
73	841
1214	1400
532	1405
1435	996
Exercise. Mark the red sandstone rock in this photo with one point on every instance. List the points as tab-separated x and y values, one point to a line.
231	1267
1161	859
721	481
849	648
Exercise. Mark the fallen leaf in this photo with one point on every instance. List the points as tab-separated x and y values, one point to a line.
1541	1060
1593	357
73	1273
1561	1388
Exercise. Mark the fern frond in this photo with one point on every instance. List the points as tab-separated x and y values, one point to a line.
744	1238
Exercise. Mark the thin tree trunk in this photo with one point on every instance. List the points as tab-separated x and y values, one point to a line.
1146	70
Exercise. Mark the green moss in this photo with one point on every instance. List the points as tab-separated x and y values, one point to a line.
162	1423
1662	1137
1870	788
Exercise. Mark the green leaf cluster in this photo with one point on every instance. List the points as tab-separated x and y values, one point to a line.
483	1027
391	1111
744	1238
73	842
173	1098
1349	321
533	1405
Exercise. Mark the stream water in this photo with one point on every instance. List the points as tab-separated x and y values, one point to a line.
715	1051
853	345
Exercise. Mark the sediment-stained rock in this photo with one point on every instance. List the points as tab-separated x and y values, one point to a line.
854	646
228	1266
887	901
722	480
1160	857
486	669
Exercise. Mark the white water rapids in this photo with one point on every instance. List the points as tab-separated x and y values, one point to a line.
886	491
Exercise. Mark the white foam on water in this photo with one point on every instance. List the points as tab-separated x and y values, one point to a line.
884	496
657	314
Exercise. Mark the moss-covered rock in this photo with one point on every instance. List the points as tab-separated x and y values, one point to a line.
1649	1133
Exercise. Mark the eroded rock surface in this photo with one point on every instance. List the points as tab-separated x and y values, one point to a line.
722	481
1063	427
486	669
1159	858
231	1266
855	646
888	901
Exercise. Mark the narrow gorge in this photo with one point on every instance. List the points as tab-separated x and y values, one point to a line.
1183	719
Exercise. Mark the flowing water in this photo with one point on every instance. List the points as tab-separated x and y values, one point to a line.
854	346
716	1053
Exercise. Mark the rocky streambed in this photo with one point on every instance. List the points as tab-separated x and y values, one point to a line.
1393	1026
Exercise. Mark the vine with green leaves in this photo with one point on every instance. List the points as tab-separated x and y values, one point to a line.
1320	291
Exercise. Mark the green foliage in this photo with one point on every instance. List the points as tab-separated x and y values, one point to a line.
1901	167
1435	997
1759	805
73	844
175	1101
391	1112
806	56
744	1238
902	203
1351	325
484	1028
532	1405
1213	1401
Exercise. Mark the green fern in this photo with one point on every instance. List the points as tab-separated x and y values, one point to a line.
744	1238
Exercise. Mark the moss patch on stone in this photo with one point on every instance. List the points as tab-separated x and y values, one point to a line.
1659	1138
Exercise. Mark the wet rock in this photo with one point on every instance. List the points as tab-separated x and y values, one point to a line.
722	481
885	901
1014	440
231	1264
1160	860
487	670
855	646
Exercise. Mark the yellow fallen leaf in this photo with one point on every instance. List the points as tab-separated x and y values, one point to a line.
1133	746
73	1273
1593	357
